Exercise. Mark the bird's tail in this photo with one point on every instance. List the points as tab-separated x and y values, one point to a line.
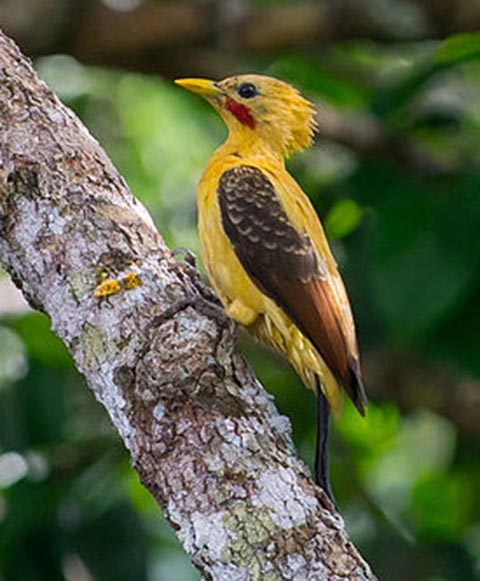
322	456
355	387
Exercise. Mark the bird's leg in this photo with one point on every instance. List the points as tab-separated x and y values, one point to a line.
322	465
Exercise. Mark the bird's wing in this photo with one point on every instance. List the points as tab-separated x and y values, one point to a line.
284	263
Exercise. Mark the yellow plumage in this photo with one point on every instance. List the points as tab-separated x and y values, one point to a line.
263	244
243	300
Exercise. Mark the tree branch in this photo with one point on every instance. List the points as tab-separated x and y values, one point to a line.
204	436
212	38
366	135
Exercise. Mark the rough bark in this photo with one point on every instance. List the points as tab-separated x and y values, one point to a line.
203	434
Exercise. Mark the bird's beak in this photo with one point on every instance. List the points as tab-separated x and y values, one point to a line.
203	87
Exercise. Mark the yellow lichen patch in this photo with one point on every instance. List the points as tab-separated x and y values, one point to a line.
131	281
107	288
113	286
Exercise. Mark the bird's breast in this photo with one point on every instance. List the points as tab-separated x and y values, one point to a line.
225	271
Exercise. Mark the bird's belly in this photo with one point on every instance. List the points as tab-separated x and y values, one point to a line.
277	330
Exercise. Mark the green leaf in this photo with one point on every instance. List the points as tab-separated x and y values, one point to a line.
343	218
40	341
102	541
459	48
441	506
418	288
453	51
425	246
313	77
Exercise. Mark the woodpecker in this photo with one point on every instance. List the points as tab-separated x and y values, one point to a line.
265	249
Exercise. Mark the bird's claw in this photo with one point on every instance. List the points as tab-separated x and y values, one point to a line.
187	255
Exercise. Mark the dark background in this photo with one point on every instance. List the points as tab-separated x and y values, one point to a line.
395	175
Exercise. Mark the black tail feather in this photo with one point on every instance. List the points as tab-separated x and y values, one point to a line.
322	463
355	389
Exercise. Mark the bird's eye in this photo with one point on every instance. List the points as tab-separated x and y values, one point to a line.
247	90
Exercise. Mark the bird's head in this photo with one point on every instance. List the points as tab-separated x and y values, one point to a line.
259	107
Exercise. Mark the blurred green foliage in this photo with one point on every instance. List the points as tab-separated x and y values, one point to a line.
404	219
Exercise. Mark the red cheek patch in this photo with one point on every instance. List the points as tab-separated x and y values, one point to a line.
241	112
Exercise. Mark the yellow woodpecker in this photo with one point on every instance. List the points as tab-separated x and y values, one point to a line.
264	246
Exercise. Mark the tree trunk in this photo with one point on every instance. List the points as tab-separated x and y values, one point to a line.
203	434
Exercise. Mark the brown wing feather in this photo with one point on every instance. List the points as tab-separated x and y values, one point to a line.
284	264
313	307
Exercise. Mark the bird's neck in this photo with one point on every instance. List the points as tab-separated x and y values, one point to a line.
252	145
